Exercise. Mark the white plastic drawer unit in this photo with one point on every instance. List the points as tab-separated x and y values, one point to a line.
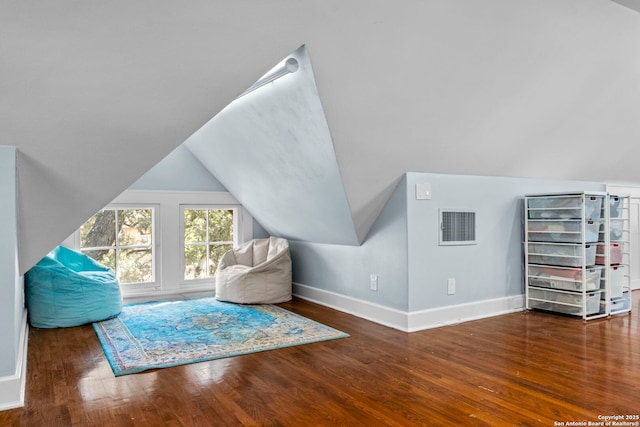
565	207
544	230
568	279
562	254
576	249
564	302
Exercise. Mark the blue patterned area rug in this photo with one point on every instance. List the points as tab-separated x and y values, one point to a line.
169	333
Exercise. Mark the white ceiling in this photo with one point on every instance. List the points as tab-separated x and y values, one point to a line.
95	93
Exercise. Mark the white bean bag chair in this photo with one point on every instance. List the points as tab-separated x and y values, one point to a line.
257	272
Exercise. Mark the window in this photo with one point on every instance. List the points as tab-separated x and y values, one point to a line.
144	237
208	234
122	239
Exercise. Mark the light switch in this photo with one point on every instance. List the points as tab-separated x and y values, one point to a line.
423	191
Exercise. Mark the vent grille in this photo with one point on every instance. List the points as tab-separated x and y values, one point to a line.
457	227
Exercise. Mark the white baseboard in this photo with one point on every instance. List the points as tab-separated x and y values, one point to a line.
454	314
12	387
411	321
377	313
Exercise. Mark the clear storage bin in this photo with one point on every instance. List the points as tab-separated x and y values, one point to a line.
615	253
562	231
621	304
569	279
617	280
616	229
564	207
617	305
626	297
617	205
563	254
564	302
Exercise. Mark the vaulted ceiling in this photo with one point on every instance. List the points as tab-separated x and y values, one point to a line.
95	93
631	4
272	149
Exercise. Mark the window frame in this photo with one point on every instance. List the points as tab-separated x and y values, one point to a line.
237	238
169	271
155	258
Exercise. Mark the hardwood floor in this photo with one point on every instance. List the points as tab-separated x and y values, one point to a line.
529	369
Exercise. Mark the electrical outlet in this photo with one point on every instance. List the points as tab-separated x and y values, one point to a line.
451	286
373	282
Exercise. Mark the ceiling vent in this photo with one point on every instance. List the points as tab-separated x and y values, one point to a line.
457	227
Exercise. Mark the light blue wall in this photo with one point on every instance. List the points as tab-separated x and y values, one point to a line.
258	230
12	301
182	171
346	269
179	171
403	249
490	269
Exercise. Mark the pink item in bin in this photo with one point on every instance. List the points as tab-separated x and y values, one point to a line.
615	253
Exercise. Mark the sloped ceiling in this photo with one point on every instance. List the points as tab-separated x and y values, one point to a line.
632	4
95	93
272	149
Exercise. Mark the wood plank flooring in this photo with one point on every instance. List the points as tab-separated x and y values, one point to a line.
527	369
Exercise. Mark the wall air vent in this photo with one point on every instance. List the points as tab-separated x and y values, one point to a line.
457	227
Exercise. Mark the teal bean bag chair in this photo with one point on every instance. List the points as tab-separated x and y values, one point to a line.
67	288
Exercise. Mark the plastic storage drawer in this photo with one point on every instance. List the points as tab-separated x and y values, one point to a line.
565	207
615	253
617	280
563	254
564	302
617	205
626	297
616	229
569	231
617	305
568	279
621	304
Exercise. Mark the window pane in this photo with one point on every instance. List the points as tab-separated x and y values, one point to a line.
135	227
208	234
215	253
104	257
99	231
195	225
220	225
135	266
195	261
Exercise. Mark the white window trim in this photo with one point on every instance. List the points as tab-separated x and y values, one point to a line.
237	232
155	226
168	238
